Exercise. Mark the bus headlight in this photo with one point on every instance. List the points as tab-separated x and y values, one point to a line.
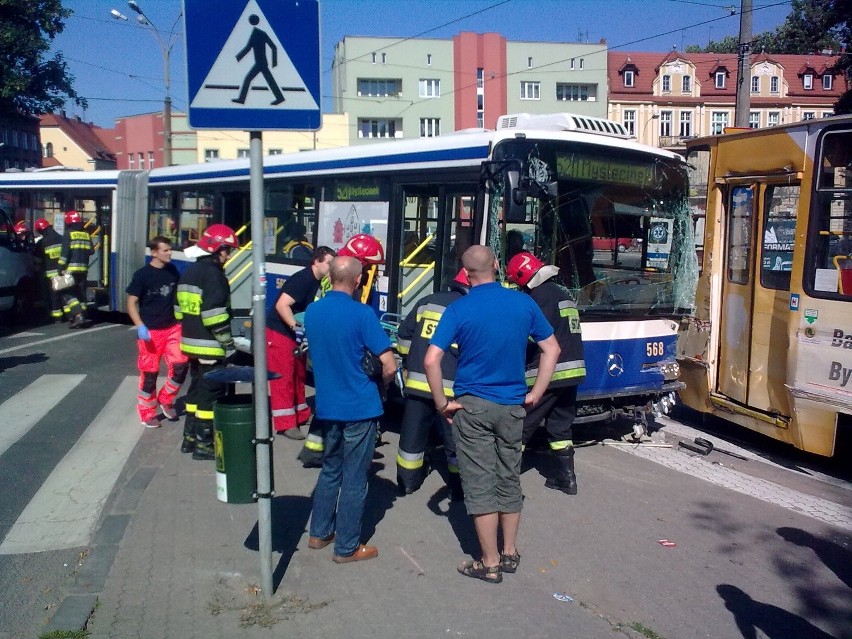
669	370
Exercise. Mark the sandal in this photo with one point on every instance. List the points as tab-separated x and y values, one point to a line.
509	563
478	570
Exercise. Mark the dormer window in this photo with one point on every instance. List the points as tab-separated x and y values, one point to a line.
628	79
808	81
773	84
720	79
667	84
827	81
755	85
686	83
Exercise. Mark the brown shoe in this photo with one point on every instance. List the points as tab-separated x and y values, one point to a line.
318	542
363	553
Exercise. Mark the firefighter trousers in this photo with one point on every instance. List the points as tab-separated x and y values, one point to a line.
163	345
74	298
287	393
418	420
558	407
200	397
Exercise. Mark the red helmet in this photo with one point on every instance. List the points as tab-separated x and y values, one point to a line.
522	267
216	236
365	248
41	224
461	278
21	228
73	217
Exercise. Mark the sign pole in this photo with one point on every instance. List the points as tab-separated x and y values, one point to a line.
263	449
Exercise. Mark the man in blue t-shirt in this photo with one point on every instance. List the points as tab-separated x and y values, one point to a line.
348	407
491	326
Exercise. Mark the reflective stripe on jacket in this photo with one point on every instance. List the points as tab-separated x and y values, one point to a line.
76	250
51	247
561	311
204	309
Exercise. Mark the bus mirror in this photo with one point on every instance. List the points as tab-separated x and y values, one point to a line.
549	190
515	198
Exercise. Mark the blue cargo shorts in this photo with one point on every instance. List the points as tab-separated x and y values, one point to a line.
488	447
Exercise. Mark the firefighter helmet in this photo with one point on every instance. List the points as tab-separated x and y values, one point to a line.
21	228
216	236
41	224
73	217
365	248
461	278
522	267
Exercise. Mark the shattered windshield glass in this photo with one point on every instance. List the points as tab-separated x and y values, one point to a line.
619	227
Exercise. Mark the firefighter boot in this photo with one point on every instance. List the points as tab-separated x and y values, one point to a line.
564	478
204	443
188	443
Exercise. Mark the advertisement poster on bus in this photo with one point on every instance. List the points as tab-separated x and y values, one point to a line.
338	221
778	245
659	242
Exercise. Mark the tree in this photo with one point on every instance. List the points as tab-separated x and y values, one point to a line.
30	82
812	26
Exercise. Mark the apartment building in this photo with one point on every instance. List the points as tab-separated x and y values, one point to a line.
665	99
73	143
19	142
394	88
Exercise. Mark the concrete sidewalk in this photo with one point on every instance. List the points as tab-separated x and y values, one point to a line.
187	565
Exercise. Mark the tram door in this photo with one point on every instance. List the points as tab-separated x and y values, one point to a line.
755	304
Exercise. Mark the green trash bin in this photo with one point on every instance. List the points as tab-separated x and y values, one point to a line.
236	463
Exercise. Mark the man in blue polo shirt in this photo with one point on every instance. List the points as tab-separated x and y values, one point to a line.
348	405
491	326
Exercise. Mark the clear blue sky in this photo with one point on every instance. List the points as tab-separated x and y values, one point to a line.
118	65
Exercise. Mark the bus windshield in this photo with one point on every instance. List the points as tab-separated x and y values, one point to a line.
617	224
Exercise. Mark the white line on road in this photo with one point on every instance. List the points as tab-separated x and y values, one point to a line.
76	333
64	511
27	407
25	334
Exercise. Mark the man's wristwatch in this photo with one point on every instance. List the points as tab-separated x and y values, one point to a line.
444	407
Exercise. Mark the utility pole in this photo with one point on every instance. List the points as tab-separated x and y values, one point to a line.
744	66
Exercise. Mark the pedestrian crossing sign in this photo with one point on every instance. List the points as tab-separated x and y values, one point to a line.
253	65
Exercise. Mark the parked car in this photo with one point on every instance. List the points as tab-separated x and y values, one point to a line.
611	243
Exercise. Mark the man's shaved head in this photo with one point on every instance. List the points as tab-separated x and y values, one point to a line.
479	261
344	272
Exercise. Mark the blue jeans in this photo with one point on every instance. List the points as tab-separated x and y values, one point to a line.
342	483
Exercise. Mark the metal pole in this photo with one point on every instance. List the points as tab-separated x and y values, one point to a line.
744	66
263	435
167	113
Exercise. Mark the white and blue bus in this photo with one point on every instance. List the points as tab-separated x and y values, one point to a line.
576	191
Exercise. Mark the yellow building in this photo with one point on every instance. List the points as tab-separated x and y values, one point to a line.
74	144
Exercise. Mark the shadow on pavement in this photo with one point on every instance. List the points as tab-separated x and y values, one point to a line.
21	360
775	623
289	520
457	517
835	557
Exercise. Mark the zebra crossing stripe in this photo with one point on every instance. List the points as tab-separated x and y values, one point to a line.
63	513
29	406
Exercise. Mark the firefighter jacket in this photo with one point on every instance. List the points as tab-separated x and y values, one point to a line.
51	248
561	311
76	250
413	339
203	307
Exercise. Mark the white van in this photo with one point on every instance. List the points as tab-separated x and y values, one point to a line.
18	277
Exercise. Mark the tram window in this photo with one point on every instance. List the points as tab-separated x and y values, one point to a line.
830	259
739	234
779	235
163	219
196	214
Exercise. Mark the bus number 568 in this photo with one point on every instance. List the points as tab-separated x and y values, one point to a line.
654	349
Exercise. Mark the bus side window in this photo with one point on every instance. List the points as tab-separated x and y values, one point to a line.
779	235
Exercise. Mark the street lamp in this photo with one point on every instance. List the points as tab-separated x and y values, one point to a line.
166	45
656	116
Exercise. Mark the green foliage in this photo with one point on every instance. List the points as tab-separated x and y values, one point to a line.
64	634
30	81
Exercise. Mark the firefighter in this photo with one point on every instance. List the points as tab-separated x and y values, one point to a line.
558	406
22	232
204	310
76	250
51	248
369	252
420	414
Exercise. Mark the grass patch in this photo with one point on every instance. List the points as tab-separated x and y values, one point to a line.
643	630
65	634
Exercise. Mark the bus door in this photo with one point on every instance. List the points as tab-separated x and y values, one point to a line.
760	231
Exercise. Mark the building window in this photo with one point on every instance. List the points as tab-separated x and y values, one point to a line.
581	64
480	119
773	84
720	79
48	150
211	154
141	161
809	115
384	58
131	161
628	78
773	118
480	77
572	64
667	84
378	88
529	63
826	81
377	128
686	84
826	114
630	121
429	59
275	151
754	119
242	153
808	81
755	84
374	57
665	124
150	159
718	122
530	90
430	88
15	138
430	127
574	92
686	124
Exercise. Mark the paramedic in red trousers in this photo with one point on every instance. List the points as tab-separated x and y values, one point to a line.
491	326
50	247
558	406
76	250
151	298
287	393
204	309
420	415
369	253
